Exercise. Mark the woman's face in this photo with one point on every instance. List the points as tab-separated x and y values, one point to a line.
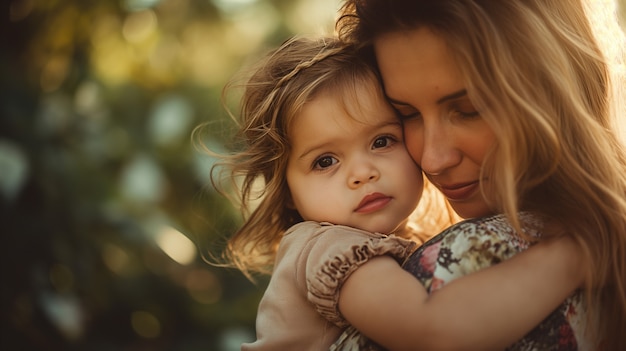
444	132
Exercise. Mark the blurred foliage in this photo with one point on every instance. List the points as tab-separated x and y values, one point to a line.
107	212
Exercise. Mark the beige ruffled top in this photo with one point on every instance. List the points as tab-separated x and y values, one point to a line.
299	308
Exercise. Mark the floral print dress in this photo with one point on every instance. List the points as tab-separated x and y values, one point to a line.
473	245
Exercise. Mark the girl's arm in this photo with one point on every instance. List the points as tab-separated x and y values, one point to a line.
486	310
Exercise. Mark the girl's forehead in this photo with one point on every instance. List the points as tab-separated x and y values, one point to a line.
359	99
347	109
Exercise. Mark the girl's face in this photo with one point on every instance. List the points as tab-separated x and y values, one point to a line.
349	165
444	132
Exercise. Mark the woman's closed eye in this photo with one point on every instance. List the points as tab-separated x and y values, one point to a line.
403	110
468	114
406	112
464	109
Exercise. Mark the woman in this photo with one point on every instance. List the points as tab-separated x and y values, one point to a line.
506	107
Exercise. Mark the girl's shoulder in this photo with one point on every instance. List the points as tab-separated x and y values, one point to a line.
328	254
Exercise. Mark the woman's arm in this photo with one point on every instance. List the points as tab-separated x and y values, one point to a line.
489	309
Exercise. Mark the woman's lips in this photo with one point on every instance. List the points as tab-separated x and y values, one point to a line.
458	192
372	202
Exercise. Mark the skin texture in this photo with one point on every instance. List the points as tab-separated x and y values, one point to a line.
349	170
444	132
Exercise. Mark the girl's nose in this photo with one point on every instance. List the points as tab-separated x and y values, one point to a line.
363	172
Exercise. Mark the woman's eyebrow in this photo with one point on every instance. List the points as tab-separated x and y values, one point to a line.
452	96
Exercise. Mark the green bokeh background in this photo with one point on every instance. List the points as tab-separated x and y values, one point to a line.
107	214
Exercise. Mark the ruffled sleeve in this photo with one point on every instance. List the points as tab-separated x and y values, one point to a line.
339	251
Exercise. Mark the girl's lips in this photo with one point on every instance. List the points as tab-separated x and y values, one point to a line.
372	202
458	192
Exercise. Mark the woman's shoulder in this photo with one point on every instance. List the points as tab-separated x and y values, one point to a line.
469	246
495	228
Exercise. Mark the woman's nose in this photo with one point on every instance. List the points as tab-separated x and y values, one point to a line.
438	151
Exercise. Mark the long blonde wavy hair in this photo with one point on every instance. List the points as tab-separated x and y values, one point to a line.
279	86
536	70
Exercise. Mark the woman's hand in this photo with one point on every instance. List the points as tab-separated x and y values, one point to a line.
489	309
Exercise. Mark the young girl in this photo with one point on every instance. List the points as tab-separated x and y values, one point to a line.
338	188
319	133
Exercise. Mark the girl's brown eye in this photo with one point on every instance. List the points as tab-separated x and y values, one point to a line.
324	162
382	142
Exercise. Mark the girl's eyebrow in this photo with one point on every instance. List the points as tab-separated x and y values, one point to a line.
315	147
452	96
311	149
